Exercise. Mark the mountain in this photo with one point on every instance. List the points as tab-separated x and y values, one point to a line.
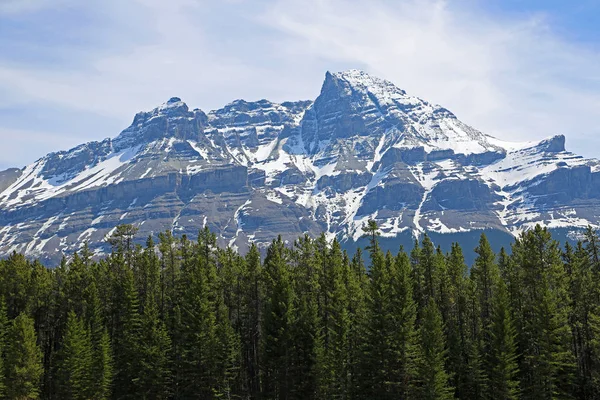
254	170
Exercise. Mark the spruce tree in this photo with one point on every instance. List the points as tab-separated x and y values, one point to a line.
76	366
457	331
374	365
4	326
433	379
402	340
102	357
250	333
306	333
357	285
24	367
544	334
278	310
502	358
485	277
154	363
333	371
127	333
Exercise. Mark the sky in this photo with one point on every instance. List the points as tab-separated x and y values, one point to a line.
73	71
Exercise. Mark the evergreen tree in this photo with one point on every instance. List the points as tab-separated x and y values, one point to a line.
333	372
402	340
76	361
276	325
154	363
502	358
305	335
127	332
485	276
4	326
544	339
427	261
357	284
251	316
457	331
102	358
208	343
433	379
24	367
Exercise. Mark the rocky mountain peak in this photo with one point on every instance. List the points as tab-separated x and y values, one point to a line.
554	144
363	149
363	81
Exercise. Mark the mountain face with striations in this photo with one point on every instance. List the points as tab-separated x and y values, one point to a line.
363	149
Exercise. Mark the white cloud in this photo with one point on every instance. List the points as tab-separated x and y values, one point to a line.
511	78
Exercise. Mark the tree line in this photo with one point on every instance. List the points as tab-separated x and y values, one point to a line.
182	319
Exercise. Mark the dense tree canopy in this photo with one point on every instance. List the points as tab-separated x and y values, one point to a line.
182	319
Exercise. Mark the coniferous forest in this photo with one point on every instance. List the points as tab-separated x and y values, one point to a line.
183	319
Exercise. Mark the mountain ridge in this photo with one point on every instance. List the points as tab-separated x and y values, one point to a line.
251	170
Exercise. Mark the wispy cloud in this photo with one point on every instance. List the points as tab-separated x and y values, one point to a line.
514	78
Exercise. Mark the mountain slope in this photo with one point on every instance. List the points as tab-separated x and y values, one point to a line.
252	170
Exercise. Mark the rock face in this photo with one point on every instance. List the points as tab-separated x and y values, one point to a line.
254	170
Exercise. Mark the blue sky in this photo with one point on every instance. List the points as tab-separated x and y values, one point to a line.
74	71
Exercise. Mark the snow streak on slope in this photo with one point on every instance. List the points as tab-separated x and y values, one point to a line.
33	186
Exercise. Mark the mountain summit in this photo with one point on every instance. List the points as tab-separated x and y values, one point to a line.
363	149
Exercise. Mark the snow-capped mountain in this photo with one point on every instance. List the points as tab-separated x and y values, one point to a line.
252	170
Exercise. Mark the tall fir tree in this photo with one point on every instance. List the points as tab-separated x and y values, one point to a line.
102	357
4	326
127	331
24	366
502	357
278	320
457	331
485	276
76	366
154	368
433	379
544	335
251	316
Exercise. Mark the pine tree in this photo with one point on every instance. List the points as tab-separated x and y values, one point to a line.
433	379
76	366
476	379
333	371
582	269
546	367
278	320
127	332
485	276
208	345
373	364
24	367
502	357
357	284
305	335
402	334
250	334
4	326
102	358
154	363
427	261
457	331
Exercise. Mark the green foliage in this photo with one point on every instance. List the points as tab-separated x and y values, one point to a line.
185	319
24	367
432	376
75	370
